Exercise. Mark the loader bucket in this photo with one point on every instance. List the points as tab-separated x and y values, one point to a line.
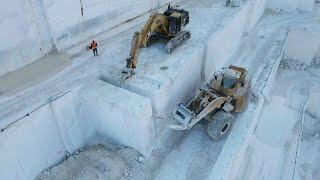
183	115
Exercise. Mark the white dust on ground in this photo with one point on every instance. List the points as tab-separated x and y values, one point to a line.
182	155
276	151
33	73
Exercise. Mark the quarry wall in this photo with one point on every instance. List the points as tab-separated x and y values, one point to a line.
303	44
66	122
43	138
313	107
30	29
87	115
78	117
291	5
24	34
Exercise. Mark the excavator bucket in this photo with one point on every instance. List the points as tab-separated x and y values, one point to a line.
128	73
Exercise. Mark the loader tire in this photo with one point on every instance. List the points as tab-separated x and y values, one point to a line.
220	125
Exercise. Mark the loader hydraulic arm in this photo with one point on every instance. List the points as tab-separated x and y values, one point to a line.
156	25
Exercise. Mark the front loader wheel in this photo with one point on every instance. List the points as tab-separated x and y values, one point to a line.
220	125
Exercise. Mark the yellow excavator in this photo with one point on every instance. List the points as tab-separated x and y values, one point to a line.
168	26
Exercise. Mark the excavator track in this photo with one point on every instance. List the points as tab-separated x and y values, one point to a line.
177	41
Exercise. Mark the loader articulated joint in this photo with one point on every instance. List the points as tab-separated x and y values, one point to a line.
227	93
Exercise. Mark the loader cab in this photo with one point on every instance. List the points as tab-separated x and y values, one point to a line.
234	82
178	19
230	79
227	81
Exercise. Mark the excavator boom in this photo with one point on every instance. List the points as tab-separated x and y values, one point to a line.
155	26
166	26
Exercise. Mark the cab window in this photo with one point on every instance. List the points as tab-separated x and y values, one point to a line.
229	83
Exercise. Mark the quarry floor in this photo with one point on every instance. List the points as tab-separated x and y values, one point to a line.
276	150
189	154
280	147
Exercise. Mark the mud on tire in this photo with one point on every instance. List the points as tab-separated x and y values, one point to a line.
220	125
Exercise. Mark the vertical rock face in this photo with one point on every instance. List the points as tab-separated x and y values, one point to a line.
291	5
24	34
313	105
302	45
74	21
118	114
222	43
24	148
32	28
91	114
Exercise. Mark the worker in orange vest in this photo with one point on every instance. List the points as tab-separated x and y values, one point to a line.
93	46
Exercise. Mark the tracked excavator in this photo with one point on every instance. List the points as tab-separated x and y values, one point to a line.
226	94
168	26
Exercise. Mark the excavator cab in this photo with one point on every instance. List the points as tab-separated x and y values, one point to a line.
178	19
174	27
167	26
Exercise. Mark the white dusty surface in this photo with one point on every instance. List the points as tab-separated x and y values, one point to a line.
179	155
118	114
276	150
302	45
308	158
96	162
33	73
313	103
291	5
188	158
31	29
188	155
24	34
263	46
88	115
72	131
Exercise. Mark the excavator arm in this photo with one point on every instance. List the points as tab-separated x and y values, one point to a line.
166	26
156	25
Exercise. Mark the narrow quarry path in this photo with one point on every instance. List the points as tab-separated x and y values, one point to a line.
272	152
307	158
193	158
269	33
192	154
32	74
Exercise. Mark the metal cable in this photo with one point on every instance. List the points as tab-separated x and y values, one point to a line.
51	99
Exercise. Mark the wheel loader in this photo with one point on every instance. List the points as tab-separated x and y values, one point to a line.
217	102
167	26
